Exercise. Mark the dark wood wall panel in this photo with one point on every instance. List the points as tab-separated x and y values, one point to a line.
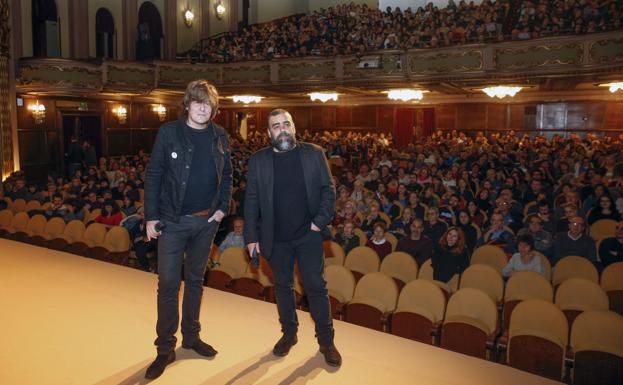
445	117
585	116
142	139
551	116
497	116
471	116
516	116
119	142
386	118
364	116
343	117
613	119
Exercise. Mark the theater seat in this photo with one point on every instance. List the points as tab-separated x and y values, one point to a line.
538	336
6	216
341	287
333	253
612	284
374	300
489	255
486	279
577	295
597	348
115	247
94	235
426	272
73	232
420	311
573	266
35	226
362	260
232	264
470	326
401	267
53	228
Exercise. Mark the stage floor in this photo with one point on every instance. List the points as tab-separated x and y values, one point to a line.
71	320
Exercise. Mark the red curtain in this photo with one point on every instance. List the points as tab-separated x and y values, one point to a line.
403	126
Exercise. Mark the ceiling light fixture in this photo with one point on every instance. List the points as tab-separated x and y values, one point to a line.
246	99
501	91
323	96
614	86
405	94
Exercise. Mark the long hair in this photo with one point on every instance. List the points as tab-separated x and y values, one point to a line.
200	91
459	246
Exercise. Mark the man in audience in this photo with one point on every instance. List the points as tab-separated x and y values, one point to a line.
290	187
187	191
542	239
92	203
611	249
418	245
574	242
234	238
57	209
19	190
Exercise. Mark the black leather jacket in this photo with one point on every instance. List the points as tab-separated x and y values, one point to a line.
166	176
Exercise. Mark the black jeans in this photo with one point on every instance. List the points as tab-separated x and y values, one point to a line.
308	253
192	236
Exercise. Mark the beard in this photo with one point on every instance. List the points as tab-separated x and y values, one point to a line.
283	142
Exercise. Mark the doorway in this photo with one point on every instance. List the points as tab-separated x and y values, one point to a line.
83	128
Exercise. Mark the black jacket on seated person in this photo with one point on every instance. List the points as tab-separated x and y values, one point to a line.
446	264
166	176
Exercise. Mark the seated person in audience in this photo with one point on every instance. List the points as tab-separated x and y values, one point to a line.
434	227
574	242
525	258
135	224
129	208
450	211
450	255
3	204
545	213
132	191
33	193
346	236
57	209
542	239
19	190
611	249
73	210
48	195
118	192
111	214
348	213
418	209
92	203
378	242
476	215
234	238
570	210
418	245
604	209
402	226
371	219
389	208
75	187
498	236
465	224
511	218
238	197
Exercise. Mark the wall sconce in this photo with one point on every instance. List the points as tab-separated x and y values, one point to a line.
161	111
189	17
38	112
220	9
121	113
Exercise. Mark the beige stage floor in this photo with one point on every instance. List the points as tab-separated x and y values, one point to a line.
70	320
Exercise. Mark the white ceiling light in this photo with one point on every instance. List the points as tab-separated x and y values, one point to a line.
501	91
613	87
405	94
246	99
323	96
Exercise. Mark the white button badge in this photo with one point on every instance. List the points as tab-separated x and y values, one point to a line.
174	155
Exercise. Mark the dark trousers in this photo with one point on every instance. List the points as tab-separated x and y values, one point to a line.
307	251
192	236
141	248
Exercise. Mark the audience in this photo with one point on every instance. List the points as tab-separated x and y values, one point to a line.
450	255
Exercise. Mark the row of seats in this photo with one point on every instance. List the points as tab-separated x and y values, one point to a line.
95	241
470	323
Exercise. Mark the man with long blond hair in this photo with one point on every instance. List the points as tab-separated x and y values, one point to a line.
187	192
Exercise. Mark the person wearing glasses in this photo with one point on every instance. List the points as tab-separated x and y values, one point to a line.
542	239
574	242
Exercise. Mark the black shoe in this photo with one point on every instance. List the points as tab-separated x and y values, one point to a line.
201	348
331	356
285	343
156	368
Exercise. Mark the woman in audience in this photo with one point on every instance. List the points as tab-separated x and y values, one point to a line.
475	213
470	232
605	209
525	258
348	213
450	255
378	242
402	226
434	227
111	214
346	237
